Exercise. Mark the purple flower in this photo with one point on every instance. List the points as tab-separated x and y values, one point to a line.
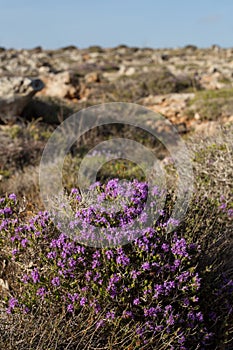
73	297
51	255
110	315
199	316
95	263
56	281
155	191
74	191
146	266
181	340
35	276
134	274
24	242
25	279
109	254
122	260
143	217
165	247
173	222
13	302
99	324
41	292
159	328
96	277
152	311
140	331
170	321
97	308
25	310
12	196
223	206
177	263
158	290
72	262
191	315
186	301
168	308
53	244
70	308
136	301
37	233
88	275
7	210
179	247
127	314
168	285
113	293
161	212
14	251
83	301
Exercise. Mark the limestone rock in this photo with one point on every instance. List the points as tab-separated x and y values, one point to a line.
15	94
93	77
61	85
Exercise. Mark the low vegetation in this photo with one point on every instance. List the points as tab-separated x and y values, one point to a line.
148	293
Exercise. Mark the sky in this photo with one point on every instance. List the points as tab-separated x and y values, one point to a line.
108	23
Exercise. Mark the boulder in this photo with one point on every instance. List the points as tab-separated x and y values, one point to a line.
92	77
61	85
15	94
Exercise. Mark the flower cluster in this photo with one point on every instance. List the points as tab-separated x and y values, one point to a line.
149	281
110	212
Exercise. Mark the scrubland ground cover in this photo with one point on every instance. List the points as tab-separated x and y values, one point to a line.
161	290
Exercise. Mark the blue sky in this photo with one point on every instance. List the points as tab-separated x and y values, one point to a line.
108	23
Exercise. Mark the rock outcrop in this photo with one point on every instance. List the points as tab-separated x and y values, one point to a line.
15	94
61	85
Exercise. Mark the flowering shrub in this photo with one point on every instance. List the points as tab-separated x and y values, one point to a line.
150	283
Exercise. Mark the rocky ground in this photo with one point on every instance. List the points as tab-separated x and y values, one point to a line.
192	87
165	80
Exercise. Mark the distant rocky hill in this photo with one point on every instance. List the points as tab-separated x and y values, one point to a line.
188	85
